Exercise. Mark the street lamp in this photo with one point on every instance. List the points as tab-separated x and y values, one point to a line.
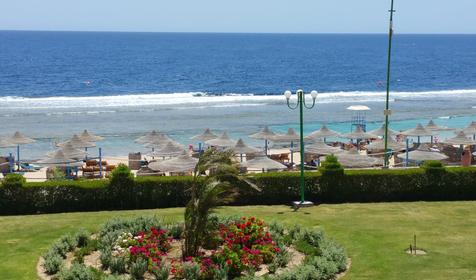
301	104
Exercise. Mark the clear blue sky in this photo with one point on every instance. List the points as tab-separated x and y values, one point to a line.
282	16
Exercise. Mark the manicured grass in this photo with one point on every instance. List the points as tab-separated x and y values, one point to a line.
375	236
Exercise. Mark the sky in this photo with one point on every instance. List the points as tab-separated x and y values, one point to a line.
256	16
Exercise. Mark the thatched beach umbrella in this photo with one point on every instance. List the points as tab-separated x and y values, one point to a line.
170	149
290	136
58	159
265	134
262	162
381	131
422	154
4	143
224	141
182	163
76	142
471	129
359	133
418	131
460	139
69	152
353	159
320	148
241	148
322	133
205	136
89	137
20	139
151	137
379	145
432	126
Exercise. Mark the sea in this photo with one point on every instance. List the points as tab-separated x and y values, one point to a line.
122	85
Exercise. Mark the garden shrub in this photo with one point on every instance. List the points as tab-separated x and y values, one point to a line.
161	273
121	186
13	181
433	167
416	184
118	265
247	243
79	272
52	262
331	167
138	268
82	237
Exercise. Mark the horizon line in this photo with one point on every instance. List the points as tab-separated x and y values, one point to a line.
231	32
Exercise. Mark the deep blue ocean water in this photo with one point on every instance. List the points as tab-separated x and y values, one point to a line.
54	84
38	64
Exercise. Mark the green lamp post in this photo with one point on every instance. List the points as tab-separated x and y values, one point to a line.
387	111
301	104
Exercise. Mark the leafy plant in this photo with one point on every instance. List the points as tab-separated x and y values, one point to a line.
433	167
78	272
207	192
52	262
82	237
331	166
13	181
138	268
118	265
161	273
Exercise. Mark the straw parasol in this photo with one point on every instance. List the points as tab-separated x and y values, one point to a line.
423	153
58	159
4	143
471	129
432	126
224	141
323	132
381	131
170	149
320	148
151	136
89	137
76	142
289	136
352	158
205	136
379	145
265	135
262	162
69	152
241	148
182	163
460	139
359	133
158	140
418	131
20	139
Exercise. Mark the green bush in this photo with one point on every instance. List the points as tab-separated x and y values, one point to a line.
118	265
82	237
105	257
161	273
13	181
78	272
138	268
331	167
456	183
52	262
433	167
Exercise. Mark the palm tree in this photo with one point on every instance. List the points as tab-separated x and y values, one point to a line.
207	192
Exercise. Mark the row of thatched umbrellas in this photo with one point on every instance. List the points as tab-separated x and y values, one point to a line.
180	161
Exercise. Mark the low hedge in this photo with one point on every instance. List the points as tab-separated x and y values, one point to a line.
276	188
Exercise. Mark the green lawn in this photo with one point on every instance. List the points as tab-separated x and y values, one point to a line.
375	236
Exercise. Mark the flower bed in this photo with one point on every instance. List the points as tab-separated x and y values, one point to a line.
144	248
